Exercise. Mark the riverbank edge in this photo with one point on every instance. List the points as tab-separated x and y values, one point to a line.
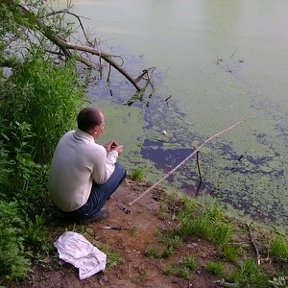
162	209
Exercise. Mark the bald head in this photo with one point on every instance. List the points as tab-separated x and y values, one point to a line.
89	118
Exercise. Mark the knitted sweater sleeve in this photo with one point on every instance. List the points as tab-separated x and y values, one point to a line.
104	165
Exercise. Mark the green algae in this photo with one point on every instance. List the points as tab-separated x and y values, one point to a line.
246	167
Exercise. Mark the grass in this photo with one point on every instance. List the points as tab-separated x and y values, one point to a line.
172	241
279	248
167	252
222	234
207	224
230	252
137	174
152	252
190	263
133	231
143	274
215	267
248	273
113	258
182	269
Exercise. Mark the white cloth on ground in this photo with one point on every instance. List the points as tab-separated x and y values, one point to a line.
75	249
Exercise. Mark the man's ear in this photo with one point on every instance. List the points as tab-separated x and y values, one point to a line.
95	130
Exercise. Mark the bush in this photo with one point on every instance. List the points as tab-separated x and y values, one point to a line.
45	96
13	262
38	103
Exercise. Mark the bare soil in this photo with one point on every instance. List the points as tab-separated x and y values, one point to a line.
137	269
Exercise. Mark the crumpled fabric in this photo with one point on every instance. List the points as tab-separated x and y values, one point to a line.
75	249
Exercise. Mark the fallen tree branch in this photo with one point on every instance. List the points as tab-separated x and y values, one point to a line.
254	244
187	158
36	23
106	57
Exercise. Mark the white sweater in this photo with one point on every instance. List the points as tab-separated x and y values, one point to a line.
76	161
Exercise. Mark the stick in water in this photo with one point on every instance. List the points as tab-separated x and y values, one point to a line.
191	155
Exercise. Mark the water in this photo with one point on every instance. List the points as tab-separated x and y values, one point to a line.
217	62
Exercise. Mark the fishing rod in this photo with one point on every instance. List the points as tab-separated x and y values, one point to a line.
191	155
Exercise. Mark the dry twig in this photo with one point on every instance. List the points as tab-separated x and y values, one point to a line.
254	244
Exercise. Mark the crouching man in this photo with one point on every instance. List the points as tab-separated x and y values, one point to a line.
83	173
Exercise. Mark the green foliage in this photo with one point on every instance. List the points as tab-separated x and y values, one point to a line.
113	258
39	102
248	273
20	29
137	174
199	226
190	263
13	262
207	224
222	234
34	233
215	267
190	208
137	97
231	253
143	274
214	213
152	252
167	252
133	231
48	101
10	215
20	238
182	269
25	180
172	242
5	168
175	270
279	248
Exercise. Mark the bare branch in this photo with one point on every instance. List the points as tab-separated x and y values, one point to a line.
106	57
66	11
254	244
66	46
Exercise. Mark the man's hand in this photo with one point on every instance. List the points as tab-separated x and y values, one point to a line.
119	149
112	145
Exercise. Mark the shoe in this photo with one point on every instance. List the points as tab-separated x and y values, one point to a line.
98	217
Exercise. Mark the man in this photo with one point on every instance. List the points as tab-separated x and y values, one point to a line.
84	174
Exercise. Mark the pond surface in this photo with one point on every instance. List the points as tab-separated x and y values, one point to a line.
216	63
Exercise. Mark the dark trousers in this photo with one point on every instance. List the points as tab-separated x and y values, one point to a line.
99	195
